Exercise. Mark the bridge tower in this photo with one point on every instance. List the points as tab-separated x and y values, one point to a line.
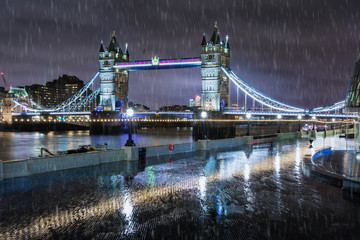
113	83
215	88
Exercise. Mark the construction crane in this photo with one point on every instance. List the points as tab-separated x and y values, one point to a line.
3	77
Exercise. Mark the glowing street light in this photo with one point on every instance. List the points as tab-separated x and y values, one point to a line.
299	117
129	142
204	116
130	112
248	115
279	116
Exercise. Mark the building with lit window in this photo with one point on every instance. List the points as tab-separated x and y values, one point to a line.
55	92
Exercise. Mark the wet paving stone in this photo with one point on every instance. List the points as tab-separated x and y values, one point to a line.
251	192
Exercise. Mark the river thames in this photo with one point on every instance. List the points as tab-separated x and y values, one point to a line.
21	145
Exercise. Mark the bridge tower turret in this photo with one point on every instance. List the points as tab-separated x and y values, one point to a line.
215	91
122	80
114	83
107	75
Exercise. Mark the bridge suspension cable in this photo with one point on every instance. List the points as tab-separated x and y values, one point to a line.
330	108
40	107
86	100
272	103
259	96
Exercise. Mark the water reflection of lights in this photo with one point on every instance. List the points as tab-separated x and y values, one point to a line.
127	210
127	206
297	161
247	188
278	183
246	172
277	164
202	187
220	206
151	176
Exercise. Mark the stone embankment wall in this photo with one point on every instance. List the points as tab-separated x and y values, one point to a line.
32	166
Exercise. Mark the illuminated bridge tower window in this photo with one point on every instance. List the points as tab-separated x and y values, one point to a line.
214	84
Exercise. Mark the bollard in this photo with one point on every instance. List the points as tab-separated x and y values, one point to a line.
1	179
311	141
1	170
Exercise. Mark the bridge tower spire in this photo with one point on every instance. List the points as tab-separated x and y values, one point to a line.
113	83
215	91
107	74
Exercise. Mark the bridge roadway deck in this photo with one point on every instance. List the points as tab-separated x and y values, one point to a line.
189	114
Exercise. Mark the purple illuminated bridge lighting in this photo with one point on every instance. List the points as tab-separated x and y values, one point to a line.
160	64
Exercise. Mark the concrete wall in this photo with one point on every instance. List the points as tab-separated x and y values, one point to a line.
156	151
286	136
32	166
16	168
226	143
314	134
26	167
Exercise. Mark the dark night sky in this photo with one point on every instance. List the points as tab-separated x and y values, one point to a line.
299	52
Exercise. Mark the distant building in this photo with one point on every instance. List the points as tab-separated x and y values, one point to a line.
191	103
140	108
8	106
174	108
197	101
55	92
2	92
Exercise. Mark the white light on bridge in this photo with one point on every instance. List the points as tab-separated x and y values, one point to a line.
333	119
313	118
278	116
299	117
130	112
203	114
248	115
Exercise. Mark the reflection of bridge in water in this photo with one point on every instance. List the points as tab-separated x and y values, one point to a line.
216	76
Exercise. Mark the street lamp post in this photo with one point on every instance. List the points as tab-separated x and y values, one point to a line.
129	142
299	118
204	116
279	118
314	124
248	116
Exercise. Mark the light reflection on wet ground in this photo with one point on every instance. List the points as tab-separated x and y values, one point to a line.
254	192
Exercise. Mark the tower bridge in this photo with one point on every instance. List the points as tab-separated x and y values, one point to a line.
216	75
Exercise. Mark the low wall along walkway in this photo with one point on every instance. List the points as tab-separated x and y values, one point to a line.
32	166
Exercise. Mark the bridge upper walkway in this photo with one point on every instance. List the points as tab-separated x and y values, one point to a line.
156	63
